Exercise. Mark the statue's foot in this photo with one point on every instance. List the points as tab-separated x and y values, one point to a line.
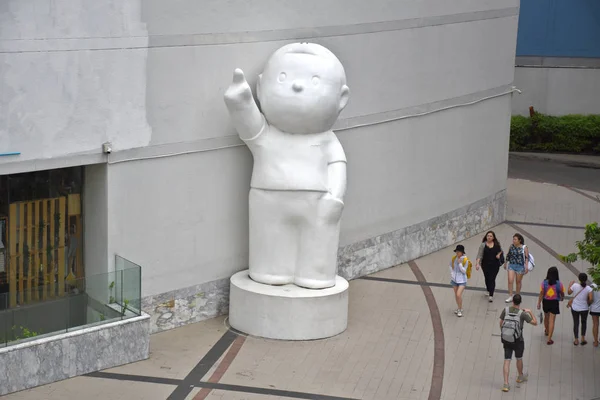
271	279
314	283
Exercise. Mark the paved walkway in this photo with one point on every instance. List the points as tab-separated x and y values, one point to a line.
402	342
569	170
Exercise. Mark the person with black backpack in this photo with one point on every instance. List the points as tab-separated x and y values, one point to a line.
552	292
512	320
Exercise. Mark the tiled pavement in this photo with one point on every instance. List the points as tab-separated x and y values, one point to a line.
390	347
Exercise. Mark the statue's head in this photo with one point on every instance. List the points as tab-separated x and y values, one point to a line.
302	89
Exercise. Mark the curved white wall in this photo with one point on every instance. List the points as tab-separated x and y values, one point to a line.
62	93
149	75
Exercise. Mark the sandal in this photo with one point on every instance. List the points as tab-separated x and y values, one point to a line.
545	332
583	342
576	342
596	344
505	388
550	342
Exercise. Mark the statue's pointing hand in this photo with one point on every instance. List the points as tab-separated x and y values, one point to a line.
239	90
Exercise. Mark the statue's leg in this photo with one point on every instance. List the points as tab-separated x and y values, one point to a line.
273	244
316	267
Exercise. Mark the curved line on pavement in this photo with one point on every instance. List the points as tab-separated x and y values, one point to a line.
222	367
437	378
584	194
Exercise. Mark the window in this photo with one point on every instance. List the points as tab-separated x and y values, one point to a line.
41	255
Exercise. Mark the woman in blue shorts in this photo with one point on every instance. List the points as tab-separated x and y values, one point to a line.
517	267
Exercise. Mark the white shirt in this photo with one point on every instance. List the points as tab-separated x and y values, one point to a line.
580	300
284	161
459	273
595	306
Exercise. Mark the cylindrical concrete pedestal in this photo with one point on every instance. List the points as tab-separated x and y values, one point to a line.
287	312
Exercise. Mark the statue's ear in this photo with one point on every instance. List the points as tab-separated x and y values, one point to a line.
344	97
258	87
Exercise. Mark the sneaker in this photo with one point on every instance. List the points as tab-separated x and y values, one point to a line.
459	313
509	300
456	311
505	388
491	299
522	378
486	294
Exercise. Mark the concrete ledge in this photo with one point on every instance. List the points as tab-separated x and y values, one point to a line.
287	312
187	305
393	248
556	62
57	357
572	160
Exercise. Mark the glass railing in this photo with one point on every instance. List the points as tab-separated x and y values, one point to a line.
54	308
129	279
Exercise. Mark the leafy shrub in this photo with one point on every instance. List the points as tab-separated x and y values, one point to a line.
588	249
566	134
520	132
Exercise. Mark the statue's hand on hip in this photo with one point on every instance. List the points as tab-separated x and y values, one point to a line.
239	91
330	208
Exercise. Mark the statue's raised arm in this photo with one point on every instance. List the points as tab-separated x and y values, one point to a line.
246	117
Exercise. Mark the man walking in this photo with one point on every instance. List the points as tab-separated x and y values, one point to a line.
512	320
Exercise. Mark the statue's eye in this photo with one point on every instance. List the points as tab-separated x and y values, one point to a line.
282	77
315	80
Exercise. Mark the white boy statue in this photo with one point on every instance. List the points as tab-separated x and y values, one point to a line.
299	176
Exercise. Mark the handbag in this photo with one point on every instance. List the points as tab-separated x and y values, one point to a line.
530	262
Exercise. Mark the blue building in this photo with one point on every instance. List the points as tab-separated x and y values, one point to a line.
558	57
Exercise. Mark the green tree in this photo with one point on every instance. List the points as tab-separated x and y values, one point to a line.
589	250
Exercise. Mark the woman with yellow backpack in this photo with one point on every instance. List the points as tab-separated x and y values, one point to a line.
460	272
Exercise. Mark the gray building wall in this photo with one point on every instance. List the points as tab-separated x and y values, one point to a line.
96	239
425	132
557	86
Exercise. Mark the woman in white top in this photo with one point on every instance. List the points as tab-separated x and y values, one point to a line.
458	276
595	312
580	306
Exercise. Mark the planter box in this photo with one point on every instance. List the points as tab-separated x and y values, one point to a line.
78	352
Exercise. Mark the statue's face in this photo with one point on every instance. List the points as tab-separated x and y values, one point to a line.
302	89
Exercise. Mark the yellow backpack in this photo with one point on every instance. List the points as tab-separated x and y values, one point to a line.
468	263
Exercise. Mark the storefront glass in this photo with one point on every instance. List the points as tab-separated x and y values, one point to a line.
41	254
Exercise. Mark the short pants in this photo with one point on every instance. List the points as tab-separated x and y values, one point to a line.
457	284
551	306
518	268
518	347
595	314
